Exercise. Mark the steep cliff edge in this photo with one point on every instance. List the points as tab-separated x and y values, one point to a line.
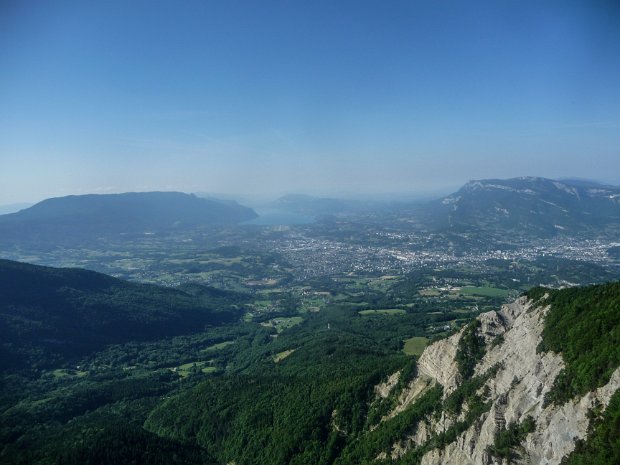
524	398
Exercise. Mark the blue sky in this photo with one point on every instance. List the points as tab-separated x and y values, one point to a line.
328	97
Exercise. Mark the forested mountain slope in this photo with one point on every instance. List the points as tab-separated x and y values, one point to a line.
533	382
48	314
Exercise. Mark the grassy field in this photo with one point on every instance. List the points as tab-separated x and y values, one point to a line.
383	311
484	291
282	355
63	373
415	345
382	284
429	292
217	346
311	305
186	369
283	323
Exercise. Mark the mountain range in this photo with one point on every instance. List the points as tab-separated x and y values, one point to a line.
81	217
525	206
528	205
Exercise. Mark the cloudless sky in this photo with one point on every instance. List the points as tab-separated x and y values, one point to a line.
304	96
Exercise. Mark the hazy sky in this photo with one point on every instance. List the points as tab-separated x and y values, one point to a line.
312	96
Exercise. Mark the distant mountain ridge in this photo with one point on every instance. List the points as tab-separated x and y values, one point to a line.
13	208
533	205
79	216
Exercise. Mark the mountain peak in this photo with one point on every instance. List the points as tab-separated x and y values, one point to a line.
532	205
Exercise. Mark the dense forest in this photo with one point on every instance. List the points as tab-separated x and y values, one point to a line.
583	324
49	315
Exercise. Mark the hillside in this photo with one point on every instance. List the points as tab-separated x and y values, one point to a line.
535	206
92	374
65	219
531	383
50	314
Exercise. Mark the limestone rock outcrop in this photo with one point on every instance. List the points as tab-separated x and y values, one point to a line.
520	378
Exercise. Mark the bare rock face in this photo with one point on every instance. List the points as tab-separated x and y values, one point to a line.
492	324
437	362
413	391
558	428
516	390
384	389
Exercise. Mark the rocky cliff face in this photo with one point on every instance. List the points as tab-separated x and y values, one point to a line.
515	379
